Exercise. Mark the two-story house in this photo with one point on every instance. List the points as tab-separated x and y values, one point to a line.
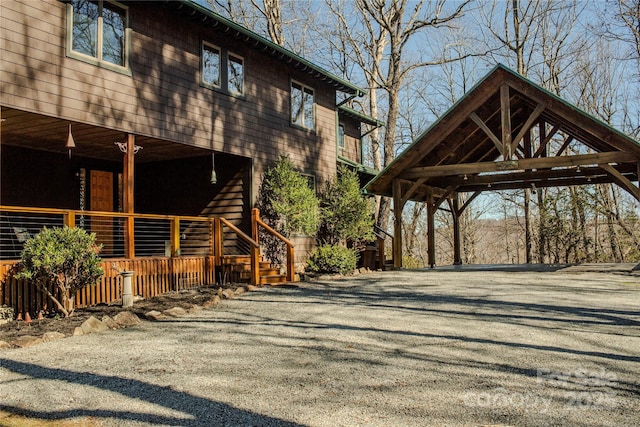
161	108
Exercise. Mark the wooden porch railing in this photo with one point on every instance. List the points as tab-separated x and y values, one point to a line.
166	252
256	224
253	245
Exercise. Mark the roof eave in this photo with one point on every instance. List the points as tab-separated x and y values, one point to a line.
339	83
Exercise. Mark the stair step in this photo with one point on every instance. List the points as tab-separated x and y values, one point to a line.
273	279
271	271
237	259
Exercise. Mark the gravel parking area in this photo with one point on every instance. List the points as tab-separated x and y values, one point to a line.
408	348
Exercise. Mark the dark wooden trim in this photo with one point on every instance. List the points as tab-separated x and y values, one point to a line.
523	164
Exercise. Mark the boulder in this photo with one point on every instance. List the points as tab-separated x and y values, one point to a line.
239	291
4	344
228	293
154	315
93	325
111	324
126	319
194	309
77	331
213	302
52	336
175	312
26	341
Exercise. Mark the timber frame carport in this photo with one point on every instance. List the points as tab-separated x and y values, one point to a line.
497	138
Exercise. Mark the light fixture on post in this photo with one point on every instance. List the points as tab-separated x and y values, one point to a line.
214	176
71	144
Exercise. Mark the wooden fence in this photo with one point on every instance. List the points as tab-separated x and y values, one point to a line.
152	276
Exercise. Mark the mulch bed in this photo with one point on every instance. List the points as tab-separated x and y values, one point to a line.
184	299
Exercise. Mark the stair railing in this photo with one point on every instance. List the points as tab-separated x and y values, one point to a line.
256	223
381	236
253	245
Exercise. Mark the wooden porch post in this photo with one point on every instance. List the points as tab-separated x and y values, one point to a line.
397	224
255	216
175	237
431	230
128	196
455	212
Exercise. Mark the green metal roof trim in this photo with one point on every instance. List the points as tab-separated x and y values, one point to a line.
470	92
340	83
360	116
359	167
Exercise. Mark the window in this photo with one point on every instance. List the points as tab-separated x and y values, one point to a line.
210	65
221	70
341	137
97	32
311	180
302	106
235	72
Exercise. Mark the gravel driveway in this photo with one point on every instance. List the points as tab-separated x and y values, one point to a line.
384	349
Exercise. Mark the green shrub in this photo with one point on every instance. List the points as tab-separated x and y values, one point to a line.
346	215
332	259
288	204
66	258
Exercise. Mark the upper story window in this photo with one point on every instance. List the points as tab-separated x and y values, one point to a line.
210	65
235	71
341	137
219	71
98	32
302	106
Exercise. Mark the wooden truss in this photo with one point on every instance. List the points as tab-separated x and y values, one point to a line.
506	133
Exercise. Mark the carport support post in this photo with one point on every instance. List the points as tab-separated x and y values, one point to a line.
455	212
397	224
431	230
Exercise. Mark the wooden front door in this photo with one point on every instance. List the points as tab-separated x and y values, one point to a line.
101	199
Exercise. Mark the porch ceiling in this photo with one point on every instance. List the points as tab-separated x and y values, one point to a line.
30	130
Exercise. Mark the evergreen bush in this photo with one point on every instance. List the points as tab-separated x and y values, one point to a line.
288	204
346	216
63	258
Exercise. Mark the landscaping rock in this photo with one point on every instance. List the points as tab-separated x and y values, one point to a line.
126	319
111	324
4	344
77	331
27	341
154	315
252	288
52	336
241	290
228	293
194	309
93	325
175	312
213	302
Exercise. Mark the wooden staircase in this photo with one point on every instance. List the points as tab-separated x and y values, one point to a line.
237	269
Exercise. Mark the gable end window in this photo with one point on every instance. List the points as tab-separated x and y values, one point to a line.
221	70
302	106
98	33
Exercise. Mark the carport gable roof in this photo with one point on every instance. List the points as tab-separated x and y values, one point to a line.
483	140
